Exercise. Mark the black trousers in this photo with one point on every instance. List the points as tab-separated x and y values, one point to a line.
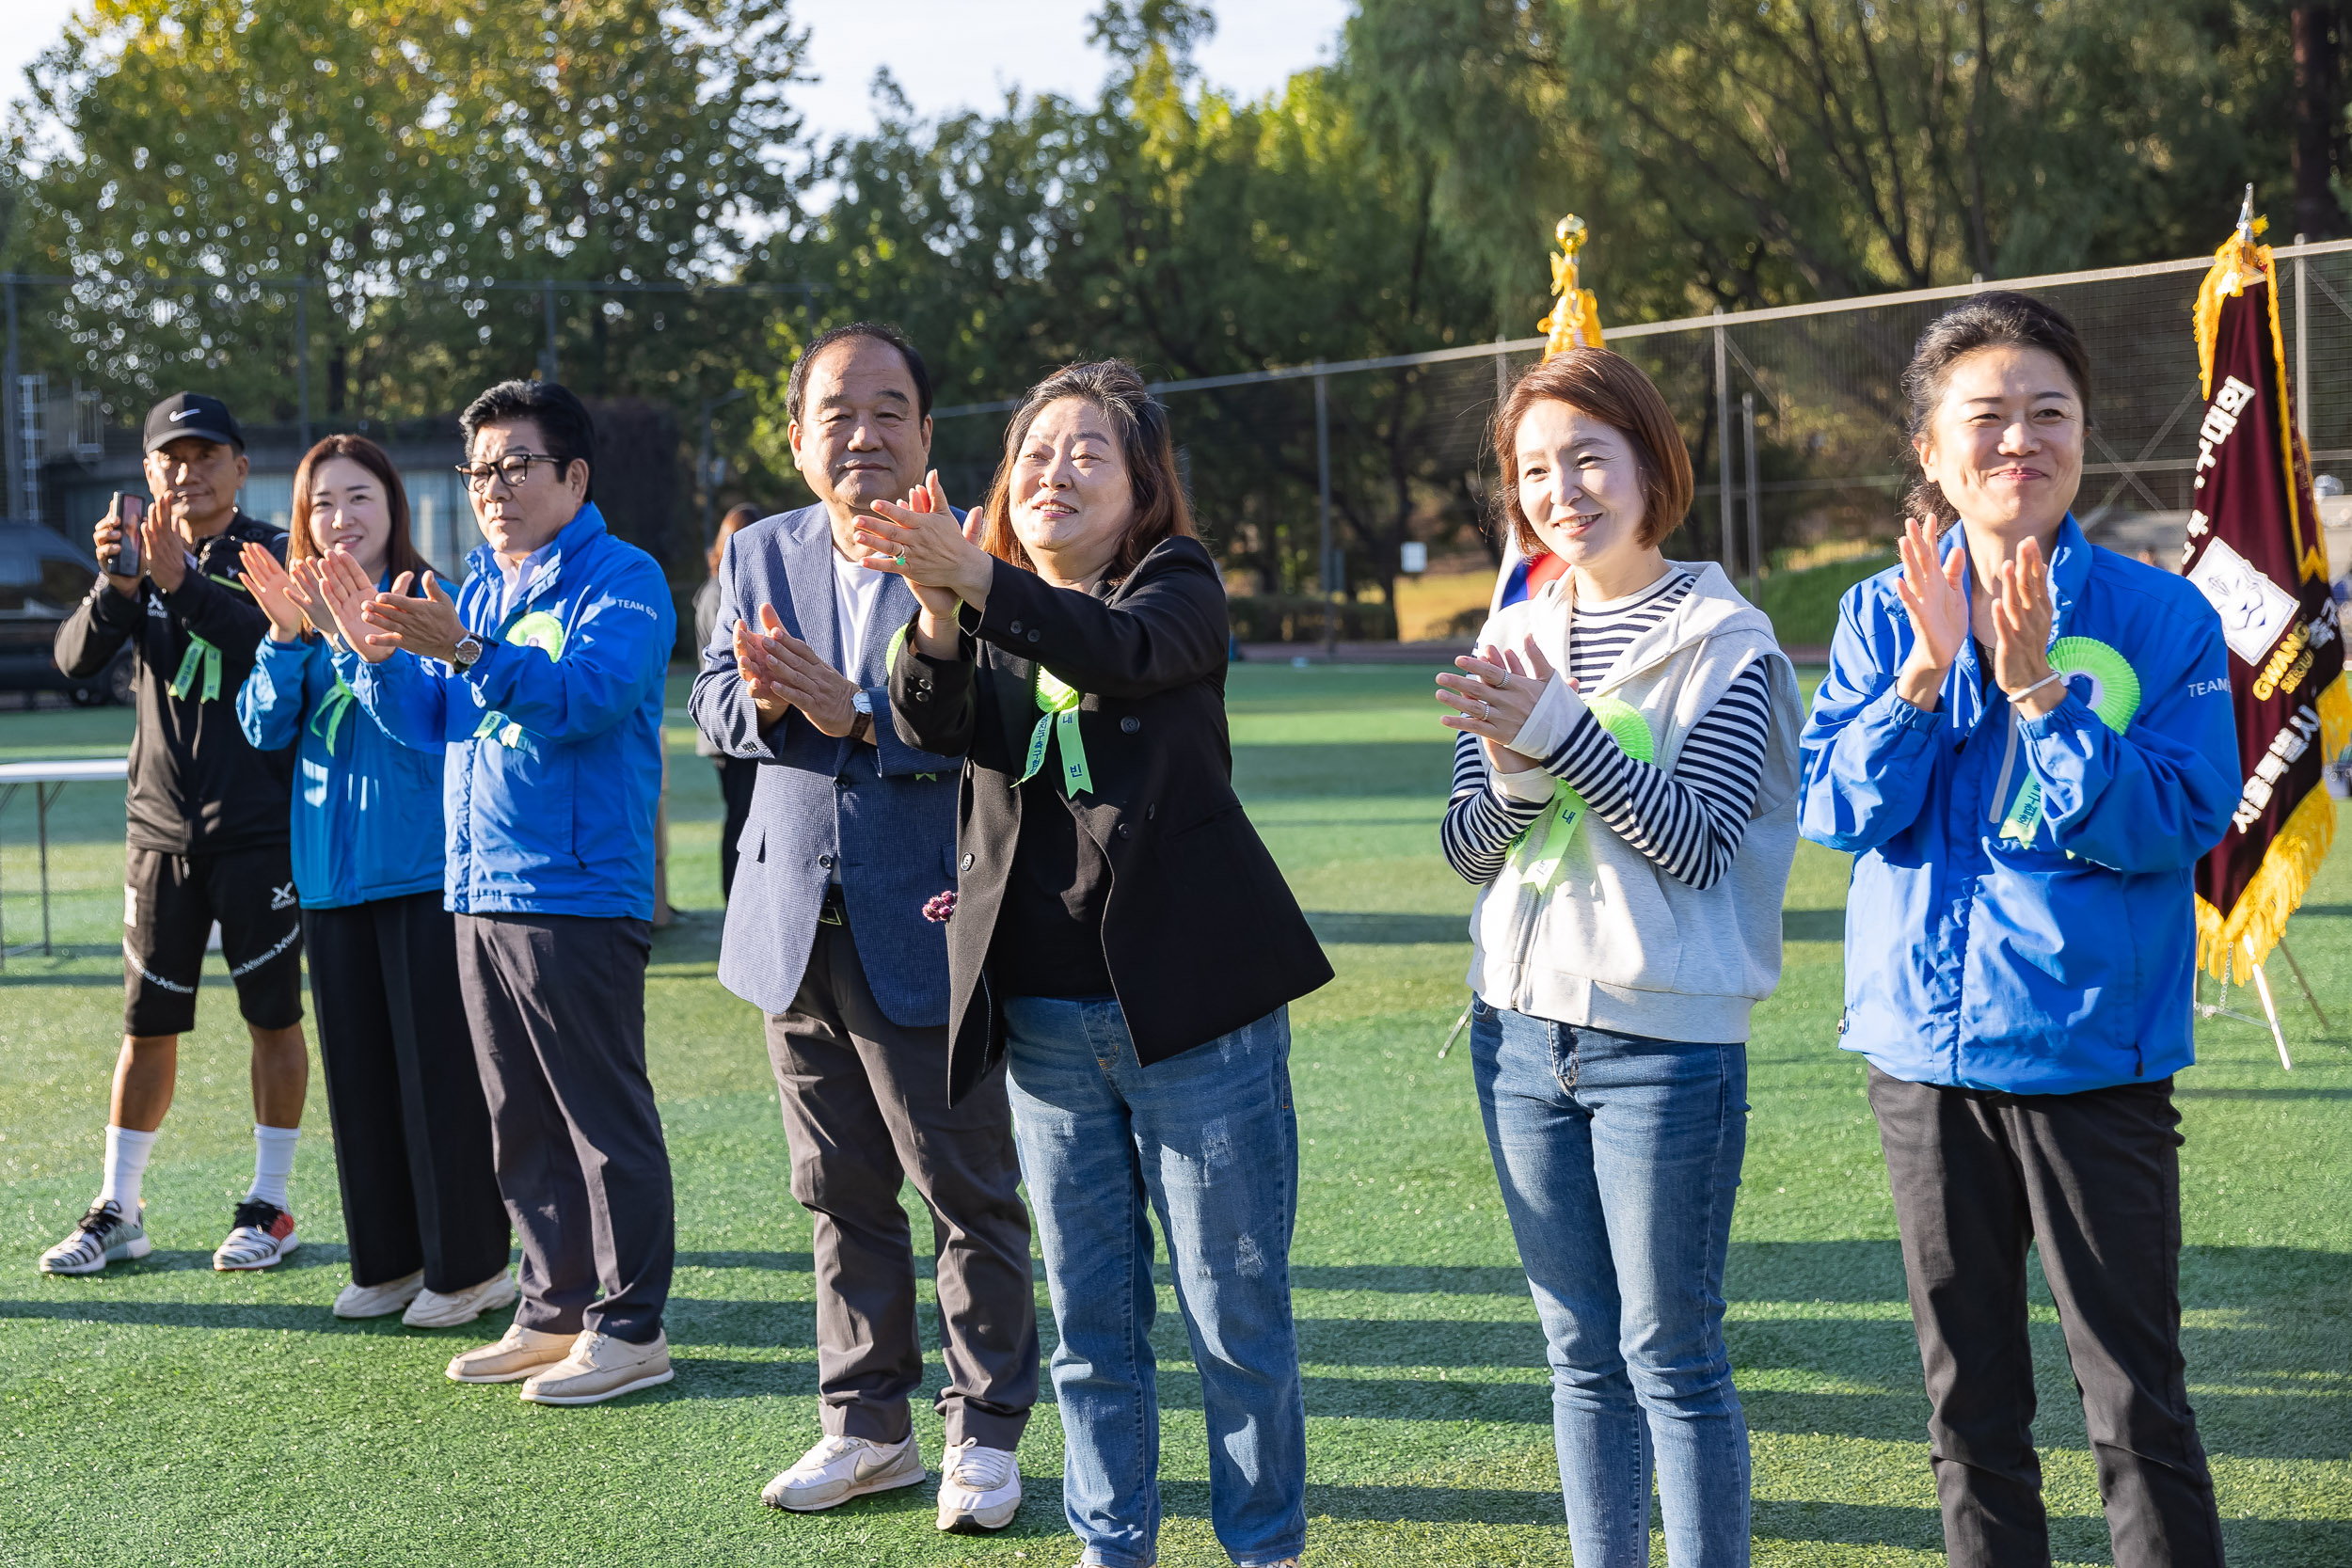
412	1132
558	1009
865	1111
735	777
2095	1181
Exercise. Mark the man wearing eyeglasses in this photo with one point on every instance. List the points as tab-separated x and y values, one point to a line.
544	680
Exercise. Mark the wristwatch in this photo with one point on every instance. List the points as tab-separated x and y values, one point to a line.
469	649
862	727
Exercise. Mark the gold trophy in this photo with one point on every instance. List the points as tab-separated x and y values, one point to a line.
1575	319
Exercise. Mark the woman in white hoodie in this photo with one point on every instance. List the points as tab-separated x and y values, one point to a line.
1625	792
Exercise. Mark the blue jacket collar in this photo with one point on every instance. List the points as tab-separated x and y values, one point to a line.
586	527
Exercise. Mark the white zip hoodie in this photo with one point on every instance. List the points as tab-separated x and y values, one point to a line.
1616	944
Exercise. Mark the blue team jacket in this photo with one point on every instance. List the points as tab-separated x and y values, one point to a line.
2056	962
554	736
367	810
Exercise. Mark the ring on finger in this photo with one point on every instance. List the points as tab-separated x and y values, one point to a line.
1485	710
898	560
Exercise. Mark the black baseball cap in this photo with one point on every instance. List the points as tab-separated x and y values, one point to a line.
191	414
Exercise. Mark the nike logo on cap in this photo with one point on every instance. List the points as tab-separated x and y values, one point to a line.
184	413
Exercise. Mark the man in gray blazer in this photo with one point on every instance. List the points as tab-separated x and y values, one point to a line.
835	932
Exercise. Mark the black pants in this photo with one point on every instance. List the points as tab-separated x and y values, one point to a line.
735	777
2095	1181
412	1132
865	1111
558	1009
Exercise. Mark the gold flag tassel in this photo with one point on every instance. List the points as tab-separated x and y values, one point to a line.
2259	920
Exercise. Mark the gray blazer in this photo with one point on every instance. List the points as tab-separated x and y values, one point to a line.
885	812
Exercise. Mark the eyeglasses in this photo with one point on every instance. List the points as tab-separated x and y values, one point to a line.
512	470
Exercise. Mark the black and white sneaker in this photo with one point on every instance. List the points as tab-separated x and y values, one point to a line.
103	1237
259	1234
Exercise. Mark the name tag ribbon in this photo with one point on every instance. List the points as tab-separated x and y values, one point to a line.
1058	725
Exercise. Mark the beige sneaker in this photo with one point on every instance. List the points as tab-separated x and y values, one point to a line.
356	1300
601	1368
433	1310
514	1356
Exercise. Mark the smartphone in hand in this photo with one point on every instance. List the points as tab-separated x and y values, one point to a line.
129	512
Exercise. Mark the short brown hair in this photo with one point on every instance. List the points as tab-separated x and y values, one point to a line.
1146	445
1612	388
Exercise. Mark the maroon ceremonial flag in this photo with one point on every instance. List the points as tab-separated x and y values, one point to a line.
2254	548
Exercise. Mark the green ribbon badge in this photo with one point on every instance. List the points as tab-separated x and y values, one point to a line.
541	629
1058	707
201	655
332	711
2114	697
1539	850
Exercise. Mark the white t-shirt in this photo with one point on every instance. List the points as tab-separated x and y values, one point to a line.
856	590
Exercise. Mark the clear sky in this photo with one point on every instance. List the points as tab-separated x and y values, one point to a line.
946	54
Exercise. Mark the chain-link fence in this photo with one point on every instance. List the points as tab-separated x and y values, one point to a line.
1792	418
1318	484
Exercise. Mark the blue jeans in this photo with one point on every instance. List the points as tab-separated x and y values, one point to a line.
1207	1141
1619	1159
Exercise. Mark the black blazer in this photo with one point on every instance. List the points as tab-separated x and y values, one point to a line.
1200	932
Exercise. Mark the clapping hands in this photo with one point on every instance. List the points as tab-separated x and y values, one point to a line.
782	673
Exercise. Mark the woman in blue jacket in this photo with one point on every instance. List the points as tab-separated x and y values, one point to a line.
2026	744
428	1232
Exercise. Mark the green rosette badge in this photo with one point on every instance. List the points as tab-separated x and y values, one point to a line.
541	629
2114	696
1545	844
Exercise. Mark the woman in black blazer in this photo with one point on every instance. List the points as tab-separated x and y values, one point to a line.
1123	938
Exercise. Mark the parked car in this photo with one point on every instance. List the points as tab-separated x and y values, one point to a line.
42	576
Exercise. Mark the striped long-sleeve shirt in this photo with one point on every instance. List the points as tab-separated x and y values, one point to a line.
1688	823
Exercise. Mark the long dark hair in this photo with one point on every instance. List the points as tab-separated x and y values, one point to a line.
400	551
1996	320
1146	445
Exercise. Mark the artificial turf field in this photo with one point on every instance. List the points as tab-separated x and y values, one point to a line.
164	1414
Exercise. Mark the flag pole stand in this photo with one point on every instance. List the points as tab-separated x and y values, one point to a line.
2298	969
2221	1008
1459	1024
2270	1008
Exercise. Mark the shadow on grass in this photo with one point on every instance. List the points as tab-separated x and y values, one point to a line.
1813	925
774	1263
1352	928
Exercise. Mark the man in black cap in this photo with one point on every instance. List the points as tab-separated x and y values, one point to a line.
208	829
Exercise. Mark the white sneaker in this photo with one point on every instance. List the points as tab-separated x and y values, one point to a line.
433	1310
102	1236
356	1300
979	1489
261	1236
839	1468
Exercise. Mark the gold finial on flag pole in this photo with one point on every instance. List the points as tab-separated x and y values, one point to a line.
1575	318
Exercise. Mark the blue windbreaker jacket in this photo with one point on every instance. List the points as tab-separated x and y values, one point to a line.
2061	961
367	810
554	735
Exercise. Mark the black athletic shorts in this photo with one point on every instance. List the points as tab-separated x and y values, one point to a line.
169	903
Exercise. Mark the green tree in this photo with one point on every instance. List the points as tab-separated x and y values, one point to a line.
189	159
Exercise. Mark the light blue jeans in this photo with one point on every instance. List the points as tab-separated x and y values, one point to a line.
1206	1140
1619	1159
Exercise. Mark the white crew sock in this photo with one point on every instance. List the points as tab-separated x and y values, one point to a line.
273	1163
126	1167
